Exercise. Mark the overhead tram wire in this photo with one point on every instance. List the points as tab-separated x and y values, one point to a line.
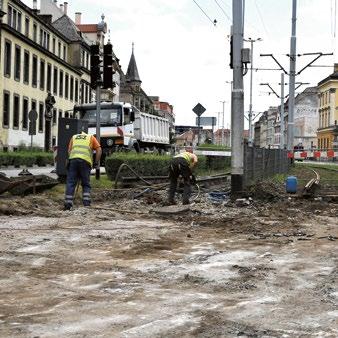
212	21
224	12
261	18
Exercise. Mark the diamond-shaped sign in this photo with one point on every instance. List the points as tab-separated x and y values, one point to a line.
199	109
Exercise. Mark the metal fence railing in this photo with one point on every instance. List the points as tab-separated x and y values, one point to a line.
260	163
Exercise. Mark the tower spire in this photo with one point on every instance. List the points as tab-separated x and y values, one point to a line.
132	72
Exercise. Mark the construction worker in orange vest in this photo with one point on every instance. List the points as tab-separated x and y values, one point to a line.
182	164
80	150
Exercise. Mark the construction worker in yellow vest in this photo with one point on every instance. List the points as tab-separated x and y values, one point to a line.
80	151
181	164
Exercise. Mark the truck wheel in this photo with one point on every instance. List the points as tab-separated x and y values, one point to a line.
136	147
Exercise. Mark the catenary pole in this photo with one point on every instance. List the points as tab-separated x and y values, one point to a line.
251	77
222	122
282	142
250	104
98	122
292	75
237	97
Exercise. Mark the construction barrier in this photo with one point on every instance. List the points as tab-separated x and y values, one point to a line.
322	154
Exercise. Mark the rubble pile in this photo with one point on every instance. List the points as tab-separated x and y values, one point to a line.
267	191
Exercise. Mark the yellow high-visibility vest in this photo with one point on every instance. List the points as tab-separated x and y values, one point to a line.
187	156
81	148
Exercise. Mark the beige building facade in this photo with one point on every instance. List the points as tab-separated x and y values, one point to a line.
327	133
37	59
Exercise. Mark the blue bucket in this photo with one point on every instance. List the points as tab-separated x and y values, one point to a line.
291	184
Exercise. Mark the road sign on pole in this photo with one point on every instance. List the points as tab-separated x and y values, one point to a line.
198	110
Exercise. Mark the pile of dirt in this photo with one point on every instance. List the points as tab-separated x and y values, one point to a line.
267	191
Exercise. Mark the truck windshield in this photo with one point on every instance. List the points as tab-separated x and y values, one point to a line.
109	117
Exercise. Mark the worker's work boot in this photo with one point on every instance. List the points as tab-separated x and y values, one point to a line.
67	207
171	202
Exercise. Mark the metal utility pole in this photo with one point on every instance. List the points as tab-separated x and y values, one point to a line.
282	142
292	76
237	100
98	122
231	86
222	122
218	127
250	104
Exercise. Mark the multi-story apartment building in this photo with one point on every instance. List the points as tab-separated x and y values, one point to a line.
37	58
163	109
270	132
306	118
327	133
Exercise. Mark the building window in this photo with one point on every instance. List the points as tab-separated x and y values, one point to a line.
41	36
42	74
49	77
53	45
7	60
27	26
17	63
6	104
35	71
60	114
54	116
35	32
59	49
47	41
55	81
67	114
61	83
24	113
53	141
71	96
87	91
76	90
16	111
64	53
14	18
82	58
26	66
66	86
44	39
82	93
41	112
19	22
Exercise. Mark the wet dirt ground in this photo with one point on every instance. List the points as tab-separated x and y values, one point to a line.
269	269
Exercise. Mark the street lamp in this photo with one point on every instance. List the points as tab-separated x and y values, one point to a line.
250	104
222	122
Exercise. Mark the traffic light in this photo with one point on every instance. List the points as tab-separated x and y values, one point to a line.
95	74
107	66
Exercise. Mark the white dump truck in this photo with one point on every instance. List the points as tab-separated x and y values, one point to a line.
124	127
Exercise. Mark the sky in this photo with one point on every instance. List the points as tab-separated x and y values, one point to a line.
183	58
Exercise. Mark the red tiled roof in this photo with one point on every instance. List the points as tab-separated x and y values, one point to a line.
90	28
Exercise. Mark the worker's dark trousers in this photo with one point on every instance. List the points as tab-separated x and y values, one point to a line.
78	170
179	166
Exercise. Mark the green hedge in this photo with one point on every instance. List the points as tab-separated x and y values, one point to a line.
144	164
25	158
218	162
